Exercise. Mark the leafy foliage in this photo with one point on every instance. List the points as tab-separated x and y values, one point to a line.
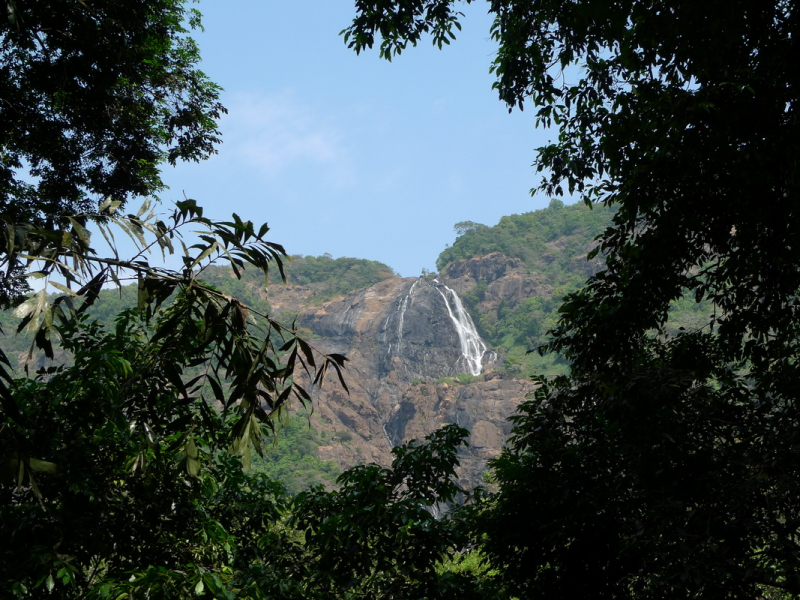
293	460
132	470
662	466
216	323
399	24
94	99
122	483
552	244
376	536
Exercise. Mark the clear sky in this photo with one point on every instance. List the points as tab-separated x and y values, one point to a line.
353	155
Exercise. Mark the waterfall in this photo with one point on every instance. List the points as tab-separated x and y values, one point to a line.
401	309
403	306
472	346
388	438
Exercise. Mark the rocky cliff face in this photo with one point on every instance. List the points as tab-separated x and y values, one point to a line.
506	279
409	327
403	339
402	413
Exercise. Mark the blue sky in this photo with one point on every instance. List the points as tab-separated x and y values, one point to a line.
352	155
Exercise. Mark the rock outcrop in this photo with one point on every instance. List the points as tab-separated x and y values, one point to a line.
406	343
506	280
406	326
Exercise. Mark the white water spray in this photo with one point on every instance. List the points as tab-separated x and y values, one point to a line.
388	439
405	303
407	300
472	346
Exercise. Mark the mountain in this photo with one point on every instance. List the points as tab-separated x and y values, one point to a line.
448	348
512	276
422	352
415	363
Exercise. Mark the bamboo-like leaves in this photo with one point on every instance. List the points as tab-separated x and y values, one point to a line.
192	458
252	362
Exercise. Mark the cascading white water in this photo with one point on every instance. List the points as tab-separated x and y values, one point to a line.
404	304
388	439
472	346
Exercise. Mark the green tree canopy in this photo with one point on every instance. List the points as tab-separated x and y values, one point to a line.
121	473
122	484
662	467
101	458
463	227
95	98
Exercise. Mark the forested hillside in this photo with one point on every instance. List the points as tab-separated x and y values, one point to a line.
664	464
544	256
551	245
547	241
324	276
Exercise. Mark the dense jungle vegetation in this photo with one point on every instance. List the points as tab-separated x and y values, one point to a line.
552	244
664	464
291	458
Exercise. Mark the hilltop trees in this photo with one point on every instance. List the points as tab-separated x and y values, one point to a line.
661	466
121	471
95	97
113	468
